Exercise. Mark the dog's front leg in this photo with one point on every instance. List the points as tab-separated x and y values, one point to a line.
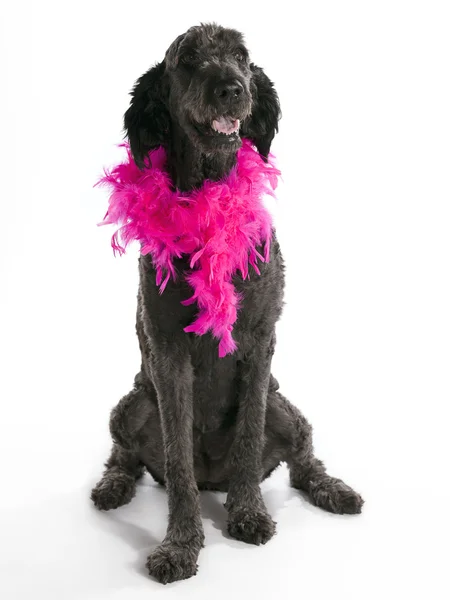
248	519
176	557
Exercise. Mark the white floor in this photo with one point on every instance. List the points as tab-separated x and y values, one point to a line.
57	546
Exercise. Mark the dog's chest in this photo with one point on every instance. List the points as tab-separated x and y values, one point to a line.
261	298
216	380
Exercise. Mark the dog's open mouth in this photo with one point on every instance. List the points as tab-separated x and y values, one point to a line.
225	127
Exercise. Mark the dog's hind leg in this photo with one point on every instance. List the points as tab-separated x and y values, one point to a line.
289	438
118	484
123	467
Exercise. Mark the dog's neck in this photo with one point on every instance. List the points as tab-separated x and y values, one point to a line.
189	167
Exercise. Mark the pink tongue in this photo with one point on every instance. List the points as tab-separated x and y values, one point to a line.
225	125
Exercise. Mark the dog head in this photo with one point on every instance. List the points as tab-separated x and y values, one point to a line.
207	88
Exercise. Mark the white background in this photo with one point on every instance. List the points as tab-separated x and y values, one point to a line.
364	343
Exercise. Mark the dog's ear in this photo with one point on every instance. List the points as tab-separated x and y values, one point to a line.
260	127
147	122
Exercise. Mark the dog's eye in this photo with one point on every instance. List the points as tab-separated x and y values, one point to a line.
239	56
189	58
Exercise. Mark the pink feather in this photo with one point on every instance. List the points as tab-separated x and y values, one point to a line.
218	226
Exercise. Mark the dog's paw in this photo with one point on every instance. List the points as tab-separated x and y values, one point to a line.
113	490
251	526
335	496
172	562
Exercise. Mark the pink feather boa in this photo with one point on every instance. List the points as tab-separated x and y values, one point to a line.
218	226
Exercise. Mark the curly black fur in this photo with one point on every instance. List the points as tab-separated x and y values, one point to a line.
193	420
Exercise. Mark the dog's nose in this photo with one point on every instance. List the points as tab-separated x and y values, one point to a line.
229	90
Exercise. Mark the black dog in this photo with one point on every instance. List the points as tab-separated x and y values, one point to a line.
194	420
